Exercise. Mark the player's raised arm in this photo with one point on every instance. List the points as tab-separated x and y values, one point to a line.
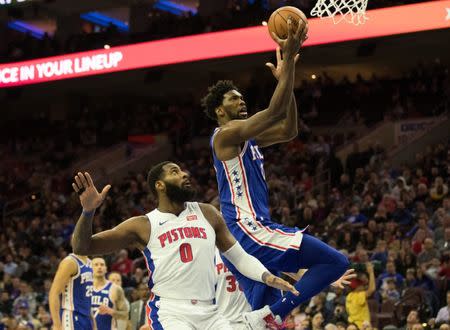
238	131
66	269
133	232
285	129
245	263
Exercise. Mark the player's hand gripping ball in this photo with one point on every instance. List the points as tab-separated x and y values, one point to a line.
278	22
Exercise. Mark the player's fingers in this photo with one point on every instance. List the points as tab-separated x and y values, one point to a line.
296	58
278	52
292	289
271	67
75	187
78	182
89	179
105	191
290	28
302	29
286	286
276	38
83	179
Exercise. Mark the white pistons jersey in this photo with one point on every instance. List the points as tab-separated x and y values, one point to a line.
230	297
180	254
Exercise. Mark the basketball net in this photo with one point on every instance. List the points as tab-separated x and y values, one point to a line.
352	11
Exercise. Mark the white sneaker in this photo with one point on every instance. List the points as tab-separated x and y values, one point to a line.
260	319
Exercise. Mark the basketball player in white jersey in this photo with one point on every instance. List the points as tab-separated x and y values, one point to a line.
70	294
230	297
116	278
108	299
178	241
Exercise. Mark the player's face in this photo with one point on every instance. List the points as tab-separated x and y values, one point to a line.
116	279
178	187
98	267
234	105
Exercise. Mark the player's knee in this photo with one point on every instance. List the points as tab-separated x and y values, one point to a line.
342	261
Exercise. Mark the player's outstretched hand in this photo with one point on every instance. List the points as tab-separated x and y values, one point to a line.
345	279
279	283
90	198
276	70
296	37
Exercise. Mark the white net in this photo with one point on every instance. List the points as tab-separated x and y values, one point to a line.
352	11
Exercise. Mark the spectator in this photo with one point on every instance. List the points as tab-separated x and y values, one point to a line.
444	313
10	267
24	317
428	254
411	320
317	322
439	190
390	273
138	308
356	217
356	303
122	264
390	292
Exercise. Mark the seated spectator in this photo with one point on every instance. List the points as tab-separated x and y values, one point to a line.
411	320
380	254
428	254
356	217
444	313
390	292
443	245
390	273
439	190
122	264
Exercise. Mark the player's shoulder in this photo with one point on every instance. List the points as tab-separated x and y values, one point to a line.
137	221
211	214
116	290
68	265
208	209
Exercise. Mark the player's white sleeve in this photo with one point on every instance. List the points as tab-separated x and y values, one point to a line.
246	264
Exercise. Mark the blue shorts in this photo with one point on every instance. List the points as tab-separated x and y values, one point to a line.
75	321
275	245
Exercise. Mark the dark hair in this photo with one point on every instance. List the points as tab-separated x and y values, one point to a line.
214	98
154	175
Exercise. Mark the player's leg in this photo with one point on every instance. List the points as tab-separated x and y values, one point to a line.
164	317
257	294
82	321
217	322
325	265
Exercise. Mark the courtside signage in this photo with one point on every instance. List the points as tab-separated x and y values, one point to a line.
382	22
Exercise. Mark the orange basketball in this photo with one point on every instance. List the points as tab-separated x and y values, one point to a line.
278	20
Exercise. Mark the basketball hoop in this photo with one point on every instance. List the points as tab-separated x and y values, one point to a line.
352	11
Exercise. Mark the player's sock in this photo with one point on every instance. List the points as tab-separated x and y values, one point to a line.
325	265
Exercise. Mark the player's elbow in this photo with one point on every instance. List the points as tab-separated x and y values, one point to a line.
292	134
80	249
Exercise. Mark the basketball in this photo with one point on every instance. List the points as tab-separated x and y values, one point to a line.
278	20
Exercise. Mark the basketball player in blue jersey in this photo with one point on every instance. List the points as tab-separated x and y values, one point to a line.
70	294
108	299
178	241
243	191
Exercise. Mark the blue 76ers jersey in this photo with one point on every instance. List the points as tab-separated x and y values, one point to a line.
242	184
77	293
103	297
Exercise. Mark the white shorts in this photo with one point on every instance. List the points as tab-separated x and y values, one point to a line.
180	314
239	326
